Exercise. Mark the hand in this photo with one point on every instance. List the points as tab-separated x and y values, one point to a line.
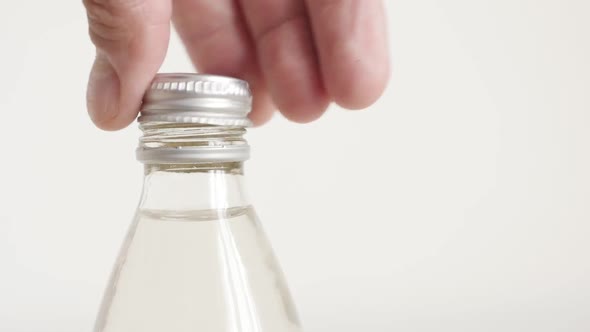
297	55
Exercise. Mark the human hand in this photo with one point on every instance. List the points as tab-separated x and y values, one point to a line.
297	55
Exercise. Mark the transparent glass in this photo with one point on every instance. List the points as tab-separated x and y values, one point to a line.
196	259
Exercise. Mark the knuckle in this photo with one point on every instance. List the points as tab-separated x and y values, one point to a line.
112	21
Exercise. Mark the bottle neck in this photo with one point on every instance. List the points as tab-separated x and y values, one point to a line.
192	166
191	143
199	186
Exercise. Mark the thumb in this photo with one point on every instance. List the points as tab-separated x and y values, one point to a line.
131	38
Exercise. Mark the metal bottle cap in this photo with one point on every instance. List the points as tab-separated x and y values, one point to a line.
221	103
197	98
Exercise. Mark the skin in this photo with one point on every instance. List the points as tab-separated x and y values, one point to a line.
298	55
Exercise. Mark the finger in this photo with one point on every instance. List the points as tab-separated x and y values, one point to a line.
287	57
352	45
216	39
131	37
263	107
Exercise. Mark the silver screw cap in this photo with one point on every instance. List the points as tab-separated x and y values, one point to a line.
197	98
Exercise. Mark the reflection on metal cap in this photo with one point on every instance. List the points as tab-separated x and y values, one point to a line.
197	98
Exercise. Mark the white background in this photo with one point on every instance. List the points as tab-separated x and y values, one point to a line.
460	202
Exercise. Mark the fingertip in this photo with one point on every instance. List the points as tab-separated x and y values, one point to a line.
262	109
261	118
360	86
103	97
351	38
131	38
102	94
306	110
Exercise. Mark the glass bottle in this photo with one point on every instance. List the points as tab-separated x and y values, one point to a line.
195	258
